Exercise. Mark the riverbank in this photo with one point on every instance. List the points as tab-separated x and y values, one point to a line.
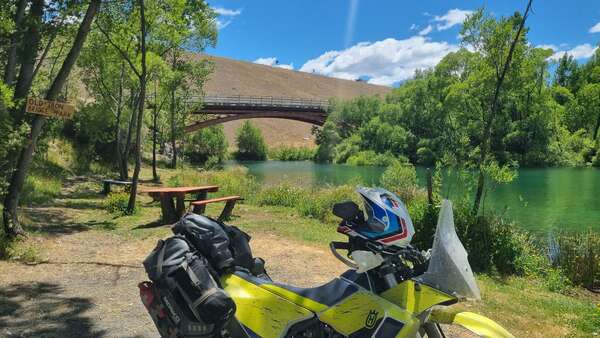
82	263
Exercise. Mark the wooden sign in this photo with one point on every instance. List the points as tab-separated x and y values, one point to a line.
50	108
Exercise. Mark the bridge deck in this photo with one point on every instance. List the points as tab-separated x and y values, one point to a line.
230	108
263	101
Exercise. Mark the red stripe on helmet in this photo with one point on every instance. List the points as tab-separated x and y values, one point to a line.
399	236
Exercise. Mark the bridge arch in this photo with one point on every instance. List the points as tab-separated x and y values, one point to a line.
231	108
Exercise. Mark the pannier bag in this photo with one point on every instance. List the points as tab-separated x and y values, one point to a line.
184	298
225	246
208	237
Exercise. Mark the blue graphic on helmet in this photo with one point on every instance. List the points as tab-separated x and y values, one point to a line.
385	212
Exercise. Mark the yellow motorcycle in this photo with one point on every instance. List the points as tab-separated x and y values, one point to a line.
389	291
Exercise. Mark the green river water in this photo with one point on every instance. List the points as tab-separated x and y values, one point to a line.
540	200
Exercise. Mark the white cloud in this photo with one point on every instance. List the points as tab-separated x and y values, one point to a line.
226	11
226	16
426	30
383	62
271	61
413	27
452	18
547	46
595	28
578	52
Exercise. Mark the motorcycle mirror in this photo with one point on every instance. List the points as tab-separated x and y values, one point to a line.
348	211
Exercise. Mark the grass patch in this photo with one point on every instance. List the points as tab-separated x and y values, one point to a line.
40	189
22	250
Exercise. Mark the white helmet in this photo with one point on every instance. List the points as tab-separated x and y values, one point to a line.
386	211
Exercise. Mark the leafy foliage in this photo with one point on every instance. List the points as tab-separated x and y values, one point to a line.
287	153
116	203
250	143
207	146
442	112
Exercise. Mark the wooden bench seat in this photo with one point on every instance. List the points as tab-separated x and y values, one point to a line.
199	206
107	183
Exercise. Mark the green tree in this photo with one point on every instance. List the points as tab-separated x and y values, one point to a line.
250	143
207	146
33	23
164	26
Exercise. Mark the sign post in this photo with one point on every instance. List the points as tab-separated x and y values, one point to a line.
50	108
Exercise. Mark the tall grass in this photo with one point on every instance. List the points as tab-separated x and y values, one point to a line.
40	189
232	181
579	258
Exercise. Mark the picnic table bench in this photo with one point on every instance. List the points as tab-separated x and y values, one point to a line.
107	183
172	200
198	206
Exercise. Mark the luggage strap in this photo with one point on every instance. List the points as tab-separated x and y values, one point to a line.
161	259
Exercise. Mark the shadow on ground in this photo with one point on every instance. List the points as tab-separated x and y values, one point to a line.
43	310
55	222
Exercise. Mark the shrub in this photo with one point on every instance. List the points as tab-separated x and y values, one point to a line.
282	195
371	158
207	147
579	258
292	153
250	143
318	204
116	203
401	178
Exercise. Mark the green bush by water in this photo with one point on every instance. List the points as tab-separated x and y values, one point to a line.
286	153
579	258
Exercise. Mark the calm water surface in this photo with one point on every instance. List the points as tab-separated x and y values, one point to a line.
540	200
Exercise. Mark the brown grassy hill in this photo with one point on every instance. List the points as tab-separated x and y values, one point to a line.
232	77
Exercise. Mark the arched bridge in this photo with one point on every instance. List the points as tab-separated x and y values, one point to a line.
230	108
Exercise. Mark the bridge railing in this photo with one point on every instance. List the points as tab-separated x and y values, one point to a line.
264	101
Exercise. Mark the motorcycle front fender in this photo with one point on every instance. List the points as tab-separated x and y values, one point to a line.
473	322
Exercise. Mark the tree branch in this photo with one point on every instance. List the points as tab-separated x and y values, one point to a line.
123	54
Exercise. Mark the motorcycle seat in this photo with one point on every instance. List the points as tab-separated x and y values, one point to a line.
316	299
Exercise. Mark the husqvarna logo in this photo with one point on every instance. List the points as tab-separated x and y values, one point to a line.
371	319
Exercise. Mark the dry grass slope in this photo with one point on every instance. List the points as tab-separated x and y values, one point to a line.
232	77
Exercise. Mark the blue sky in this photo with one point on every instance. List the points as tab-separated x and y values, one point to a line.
383	41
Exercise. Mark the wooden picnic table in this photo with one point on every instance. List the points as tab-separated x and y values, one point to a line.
172	200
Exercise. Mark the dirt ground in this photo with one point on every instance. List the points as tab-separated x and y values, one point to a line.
87	295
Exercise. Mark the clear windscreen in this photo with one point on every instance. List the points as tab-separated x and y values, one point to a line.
449	270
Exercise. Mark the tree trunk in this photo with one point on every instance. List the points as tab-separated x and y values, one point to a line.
141	104
31	43
10	70
122	169
11	200
173	138
486	146
154	135
132	119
